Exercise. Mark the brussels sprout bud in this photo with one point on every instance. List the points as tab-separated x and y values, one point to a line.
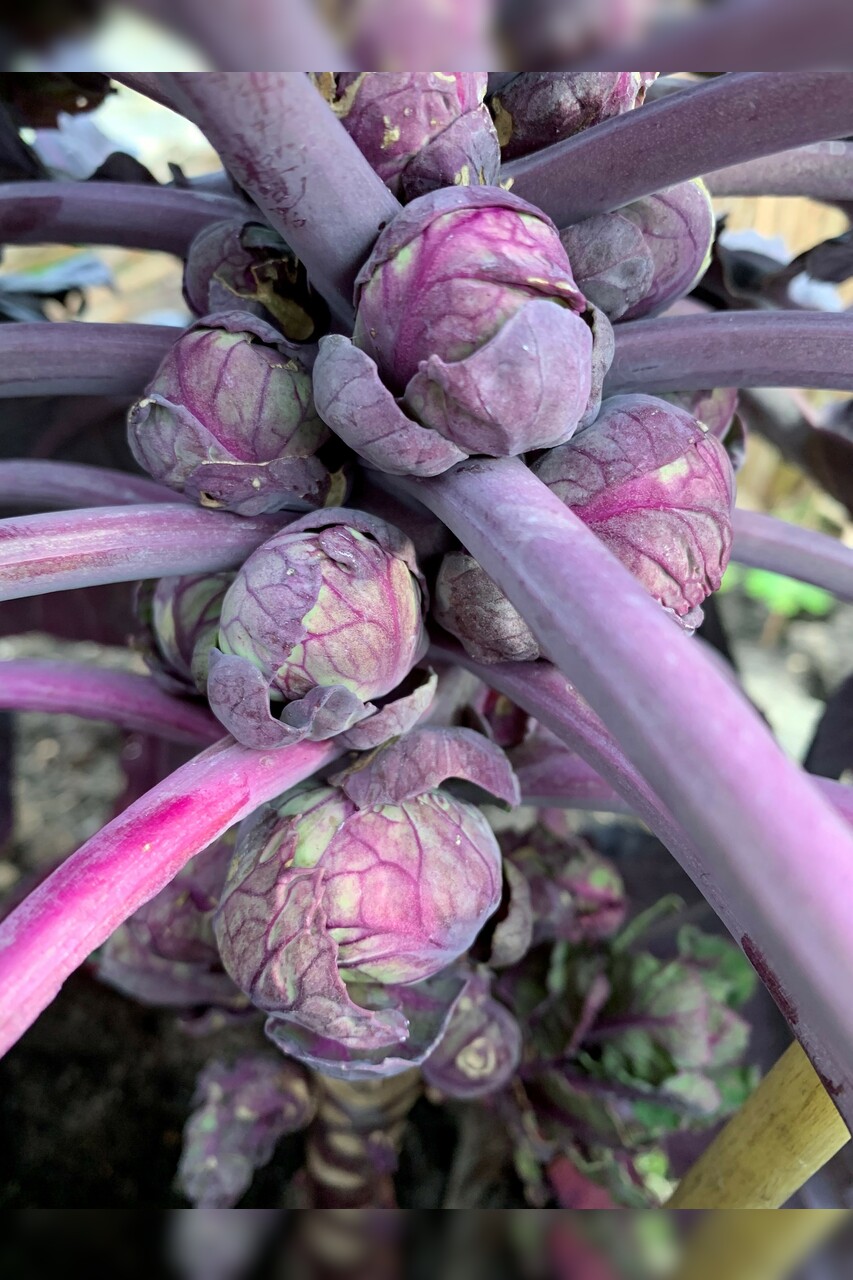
323	617
382	879
166	953
469	605
467	311
481	1048
538	108
658	489
234	264
576	894
229	419
637	261
420	130
240	1113
182	617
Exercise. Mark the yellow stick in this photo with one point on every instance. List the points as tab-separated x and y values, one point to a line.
755	1246
783	1134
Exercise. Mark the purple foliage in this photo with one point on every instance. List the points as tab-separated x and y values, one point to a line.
229	419
324	617
538	108
182	619
241	1110
480	1049
576	894
420	130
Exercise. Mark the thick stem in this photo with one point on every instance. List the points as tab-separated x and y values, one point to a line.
766	543
27	483
687	729
135	215
823	171
77	359
308	176
121	697
130	860
733	118
58	550
733	349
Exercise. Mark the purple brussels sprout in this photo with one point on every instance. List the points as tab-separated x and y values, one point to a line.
638	260
378	880
229	419
538	108
182	619
471	607
322	618
246	265
658	489
165	954
481	1046
419	129
576	894
469	338
241	1111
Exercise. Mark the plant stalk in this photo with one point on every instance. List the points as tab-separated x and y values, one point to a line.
764	542
133	215
822	171
733	349
58	549
130	860
26	483
733	118
124	698
81	359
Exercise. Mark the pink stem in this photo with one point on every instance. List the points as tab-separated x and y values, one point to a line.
130	860
59	549
26	483
124	698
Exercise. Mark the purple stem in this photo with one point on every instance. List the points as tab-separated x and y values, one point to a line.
774	34
131	701
135	215
767	543
555	779
703	750
823	171
80	359
329	211
58	550
26	483
733	349
130	860
733	118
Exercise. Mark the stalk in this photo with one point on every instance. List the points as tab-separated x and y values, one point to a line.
80	359
329	213
766	543
26	483
131	701
733	118
134	215
823	171
553	779
58	550
130	860
729	786
733	349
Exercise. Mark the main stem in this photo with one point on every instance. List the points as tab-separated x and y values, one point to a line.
767	543
124	698
823	171
130	860
736	117
274	133
135	215
78	359
688	731
58	550
733	349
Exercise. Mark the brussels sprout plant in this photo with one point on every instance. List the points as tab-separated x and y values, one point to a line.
437	480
